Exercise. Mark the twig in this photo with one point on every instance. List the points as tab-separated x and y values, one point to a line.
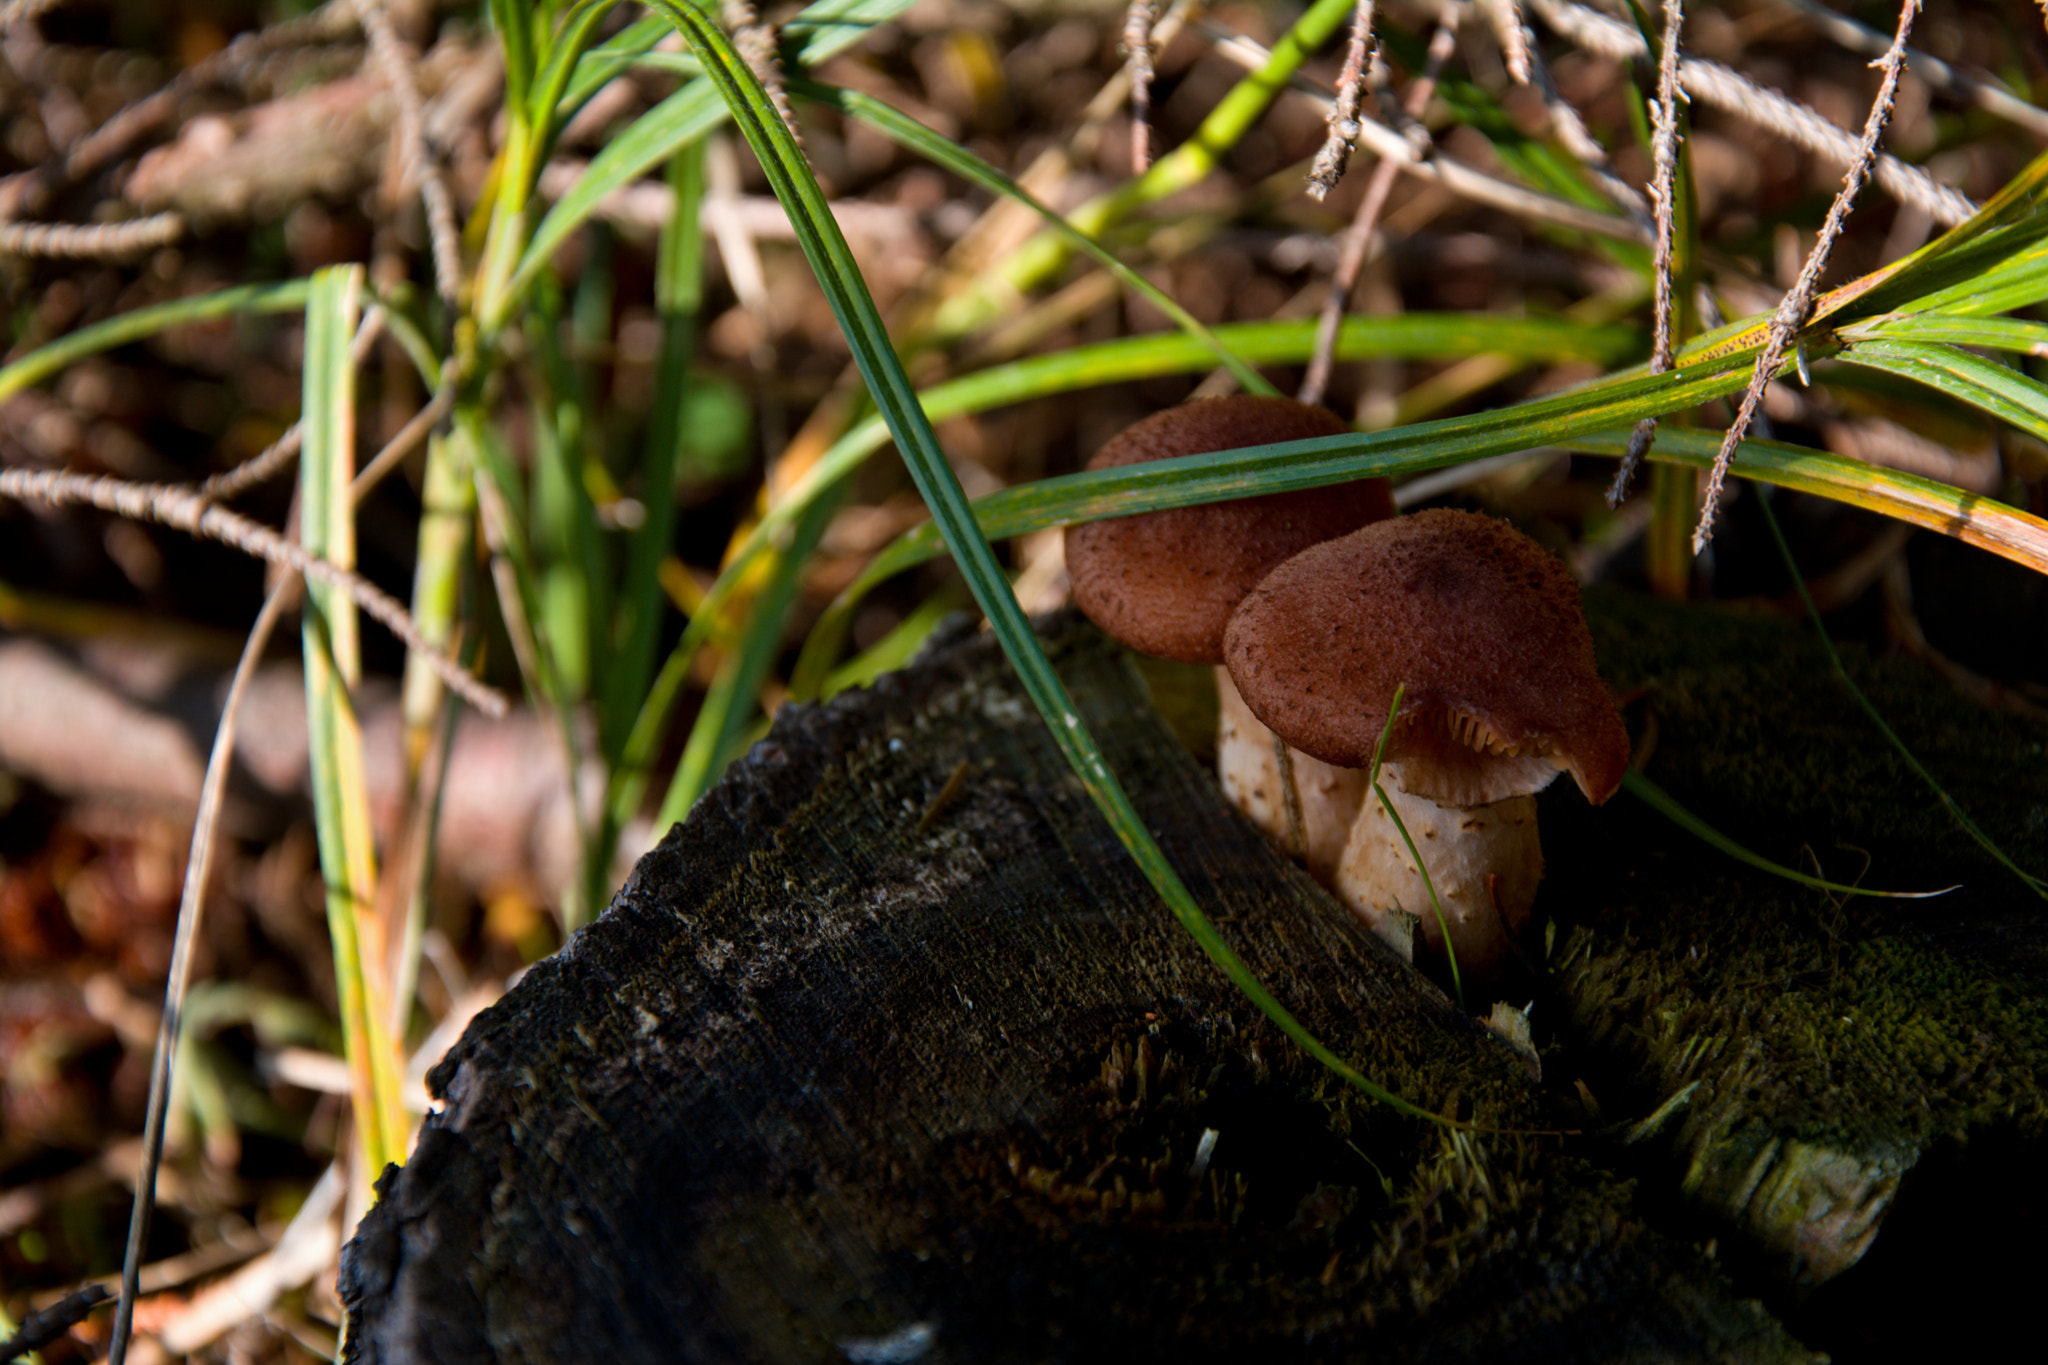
757	45
183	508
273	459
1723	88
263	466
1577	139
1343	138
89	240
1663	190
1138	62
40	1329
417	162
410	435
1438	169
198	867
107	141
1791	314
1359	235
1504	17
1985	94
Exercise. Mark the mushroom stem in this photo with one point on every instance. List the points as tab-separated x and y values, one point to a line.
1485	862
1328	797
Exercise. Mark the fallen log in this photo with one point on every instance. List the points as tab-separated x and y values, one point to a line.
888	1053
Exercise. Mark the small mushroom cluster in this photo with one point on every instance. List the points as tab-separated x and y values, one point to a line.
1320	607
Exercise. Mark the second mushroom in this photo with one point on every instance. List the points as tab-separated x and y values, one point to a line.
1166	582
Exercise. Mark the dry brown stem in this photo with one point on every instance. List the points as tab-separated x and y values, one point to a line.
1663	189
1791	314
1358	238
186	510
1337	148
395	63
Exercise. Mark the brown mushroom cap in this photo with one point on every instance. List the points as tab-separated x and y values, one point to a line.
1166	582
1477	621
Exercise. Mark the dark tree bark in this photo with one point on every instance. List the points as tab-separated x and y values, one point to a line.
889	1053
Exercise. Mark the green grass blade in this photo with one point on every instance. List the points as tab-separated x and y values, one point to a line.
2004	392
727	709
341	802
1657	799
1969	517
2022	336
2017	280
797	189
514	23
1372	782
1948	269
678	295
822	30
891	652
1975	520
565	52
597	67
948	155
1186	165
1970	827
119	330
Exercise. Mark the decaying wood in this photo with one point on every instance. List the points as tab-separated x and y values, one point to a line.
888	1054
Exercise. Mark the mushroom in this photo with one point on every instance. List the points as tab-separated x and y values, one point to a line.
1166	582
1481	631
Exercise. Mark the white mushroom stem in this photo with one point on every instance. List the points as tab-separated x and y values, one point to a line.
1250	773
1484	862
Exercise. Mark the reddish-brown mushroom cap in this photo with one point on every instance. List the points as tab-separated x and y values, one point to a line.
1480	625
1165	582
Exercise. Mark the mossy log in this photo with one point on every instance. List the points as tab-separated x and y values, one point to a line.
1812	1059
888	1053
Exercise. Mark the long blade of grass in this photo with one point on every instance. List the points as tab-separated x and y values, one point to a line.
907	132
1661	801
514	22
678	294
341	804
861	321
549	106
2005	393
1372	782
1952	265
722	722
822	30
892	651
2023	336
596	68
1189	480
1968	517
123	328
2000	284
1970	827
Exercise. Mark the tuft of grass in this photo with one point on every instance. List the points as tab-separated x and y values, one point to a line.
548	527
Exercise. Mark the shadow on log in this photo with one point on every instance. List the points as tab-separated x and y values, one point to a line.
889	1054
